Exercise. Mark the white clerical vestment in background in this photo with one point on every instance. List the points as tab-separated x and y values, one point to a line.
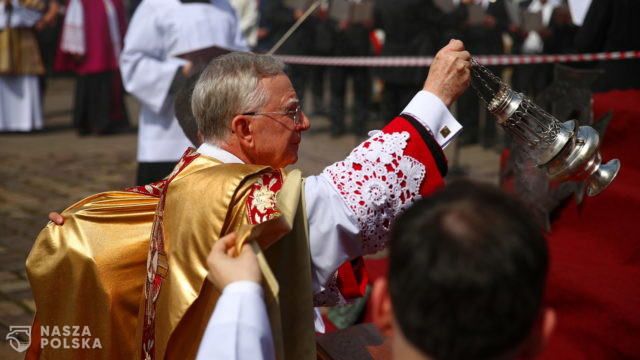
20	100
160	30
346	220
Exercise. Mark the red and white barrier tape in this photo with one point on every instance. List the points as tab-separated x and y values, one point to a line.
403	61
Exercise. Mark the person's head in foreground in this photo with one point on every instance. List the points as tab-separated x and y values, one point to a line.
466	279
245	104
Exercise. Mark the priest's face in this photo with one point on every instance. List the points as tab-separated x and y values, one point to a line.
278	126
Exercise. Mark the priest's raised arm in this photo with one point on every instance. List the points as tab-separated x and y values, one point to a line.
351	205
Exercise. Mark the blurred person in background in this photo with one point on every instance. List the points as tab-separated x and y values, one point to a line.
21	64
533	78
323	43
264	38
90	45
48	34
562	32
279	16
153	73
612	26
483	29
249	18
351	39
411	28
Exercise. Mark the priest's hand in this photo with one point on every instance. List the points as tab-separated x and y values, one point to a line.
450	73
225	268
56	218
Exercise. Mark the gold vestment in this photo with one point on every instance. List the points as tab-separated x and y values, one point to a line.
19	52
90	272
103	286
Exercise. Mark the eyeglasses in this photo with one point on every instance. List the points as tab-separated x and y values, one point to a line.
296	114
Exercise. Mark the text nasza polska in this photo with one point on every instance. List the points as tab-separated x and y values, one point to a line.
68	337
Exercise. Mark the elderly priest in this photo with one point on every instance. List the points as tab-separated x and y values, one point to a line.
137	258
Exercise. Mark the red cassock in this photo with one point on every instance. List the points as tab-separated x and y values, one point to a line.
99	56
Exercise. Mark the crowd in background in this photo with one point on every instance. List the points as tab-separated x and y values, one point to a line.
85	38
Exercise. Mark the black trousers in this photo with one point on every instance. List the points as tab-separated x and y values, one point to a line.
99	103
395	97
361	95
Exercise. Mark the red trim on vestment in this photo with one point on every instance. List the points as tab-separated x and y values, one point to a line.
417	149
353	279
261	203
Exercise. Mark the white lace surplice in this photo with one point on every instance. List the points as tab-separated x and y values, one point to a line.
351	205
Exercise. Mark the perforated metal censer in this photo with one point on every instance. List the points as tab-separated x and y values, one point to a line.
567	151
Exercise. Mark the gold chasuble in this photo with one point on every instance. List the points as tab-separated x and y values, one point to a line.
135	273
89	272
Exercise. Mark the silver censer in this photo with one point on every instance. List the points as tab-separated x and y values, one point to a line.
567	151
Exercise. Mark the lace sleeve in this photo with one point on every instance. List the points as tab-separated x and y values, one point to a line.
377	181
330	294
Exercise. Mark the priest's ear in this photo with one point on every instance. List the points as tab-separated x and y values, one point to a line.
382	311
241	130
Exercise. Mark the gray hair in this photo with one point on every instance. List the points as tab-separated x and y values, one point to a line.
228	86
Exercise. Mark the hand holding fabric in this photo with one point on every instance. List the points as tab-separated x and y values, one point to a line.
225	267
450	73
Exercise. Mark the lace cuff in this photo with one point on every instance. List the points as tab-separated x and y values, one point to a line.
377	181
330	295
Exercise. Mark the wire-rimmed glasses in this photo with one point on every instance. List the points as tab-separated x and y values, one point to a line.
296	114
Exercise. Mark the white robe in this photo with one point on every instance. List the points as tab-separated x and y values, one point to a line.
249	16
239	326
160	30
20	100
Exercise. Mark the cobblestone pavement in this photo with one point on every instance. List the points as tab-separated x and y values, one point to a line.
52	169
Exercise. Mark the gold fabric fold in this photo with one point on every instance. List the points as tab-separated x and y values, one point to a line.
287	263
90	272
211	203
290	261
19	52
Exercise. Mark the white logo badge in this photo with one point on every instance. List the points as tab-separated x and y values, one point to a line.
17	335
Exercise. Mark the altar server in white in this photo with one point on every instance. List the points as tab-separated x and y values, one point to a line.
151	72
20	65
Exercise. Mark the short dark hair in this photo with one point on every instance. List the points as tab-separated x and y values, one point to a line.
467	271
182	108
